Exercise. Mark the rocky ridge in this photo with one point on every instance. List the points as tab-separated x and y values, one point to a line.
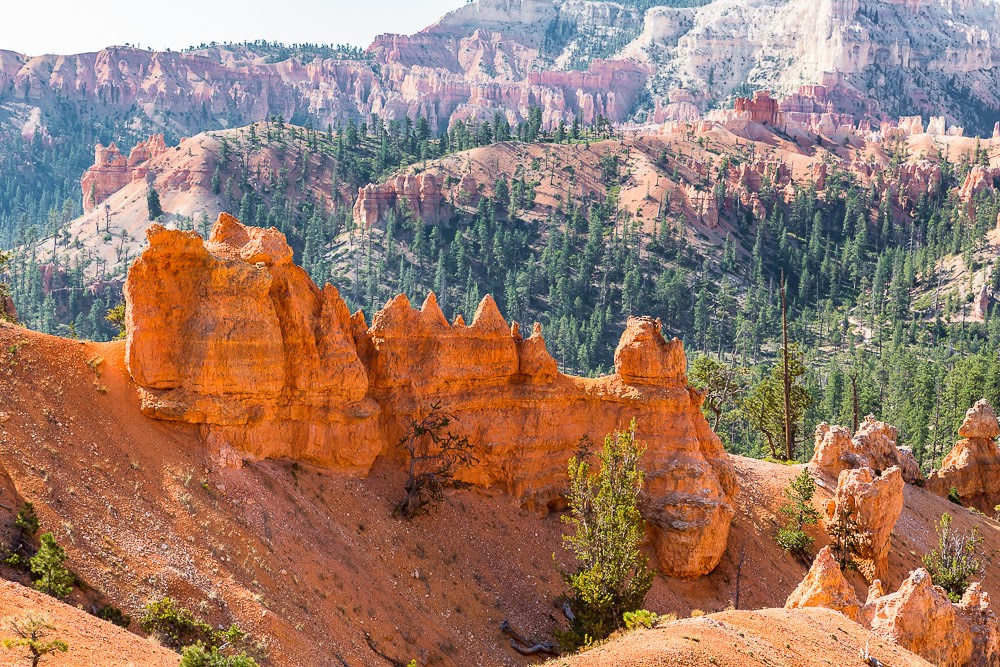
840	62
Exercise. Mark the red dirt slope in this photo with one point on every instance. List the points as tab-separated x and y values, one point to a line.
92	642
767	638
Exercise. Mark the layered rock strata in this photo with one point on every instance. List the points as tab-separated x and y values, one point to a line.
972	468
231	335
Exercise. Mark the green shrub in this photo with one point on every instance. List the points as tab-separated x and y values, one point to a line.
199	656
793	541
800	513
956	561
48	570
174	626
116	616
27	521
16	561
612	576
953	495
641	618
177	628
30	635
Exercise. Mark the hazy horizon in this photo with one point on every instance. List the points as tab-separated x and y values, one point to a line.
185	23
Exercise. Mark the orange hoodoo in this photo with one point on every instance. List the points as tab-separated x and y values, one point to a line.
232	335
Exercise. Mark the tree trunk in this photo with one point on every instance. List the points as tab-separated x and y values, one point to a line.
854	400
789	438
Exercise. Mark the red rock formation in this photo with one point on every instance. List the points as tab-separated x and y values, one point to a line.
420	194
7	309
973	466
918	178
232	336
981	305
681	107
112	171
977	180
762	108
919	616
825	586
874	446
875	503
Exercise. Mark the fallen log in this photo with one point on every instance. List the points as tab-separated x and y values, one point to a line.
525	646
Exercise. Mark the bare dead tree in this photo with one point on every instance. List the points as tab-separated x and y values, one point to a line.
526	646
739	576
435	454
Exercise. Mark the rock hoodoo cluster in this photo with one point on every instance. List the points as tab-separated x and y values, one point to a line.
112	171
919	616
871	471
874	446
419	193
762	107
972	468
231	335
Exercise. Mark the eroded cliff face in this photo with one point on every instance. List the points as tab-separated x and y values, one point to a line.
231	335
875	503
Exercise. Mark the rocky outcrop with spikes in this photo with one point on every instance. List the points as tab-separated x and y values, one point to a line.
231	335
918	617
873	446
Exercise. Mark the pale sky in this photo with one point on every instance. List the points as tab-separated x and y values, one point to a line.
76	26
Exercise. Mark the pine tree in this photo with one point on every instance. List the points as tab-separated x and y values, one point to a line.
153	203
612	575
49	570
800	513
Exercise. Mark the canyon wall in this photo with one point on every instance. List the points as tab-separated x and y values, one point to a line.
229	334
839	62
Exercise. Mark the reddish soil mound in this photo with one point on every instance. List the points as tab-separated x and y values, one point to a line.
91	641
771	637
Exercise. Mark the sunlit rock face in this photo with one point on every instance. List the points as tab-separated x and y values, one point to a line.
231	335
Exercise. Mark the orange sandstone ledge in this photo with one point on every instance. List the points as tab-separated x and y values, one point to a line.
230	334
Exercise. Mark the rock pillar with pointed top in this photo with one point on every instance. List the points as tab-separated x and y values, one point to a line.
972	467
